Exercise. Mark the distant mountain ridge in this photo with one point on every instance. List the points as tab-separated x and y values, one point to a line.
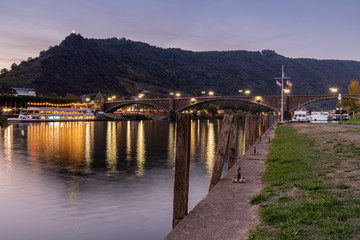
120	66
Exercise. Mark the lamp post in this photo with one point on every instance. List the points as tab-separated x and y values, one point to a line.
339	98
282	91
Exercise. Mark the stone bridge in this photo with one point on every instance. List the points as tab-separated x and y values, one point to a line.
174	105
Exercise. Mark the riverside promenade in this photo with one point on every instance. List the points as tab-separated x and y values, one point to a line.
225	212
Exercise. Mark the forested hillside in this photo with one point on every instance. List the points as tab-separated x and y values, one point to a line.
79	65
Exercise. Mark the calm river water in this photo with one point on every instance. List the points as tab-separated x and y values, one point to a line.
97	180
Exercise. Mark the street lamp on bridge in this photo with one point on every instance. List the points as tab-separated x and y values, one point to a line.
211	93
333	90
247	92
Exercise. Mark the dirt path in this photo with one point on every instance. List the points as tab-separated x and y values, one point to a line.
343	143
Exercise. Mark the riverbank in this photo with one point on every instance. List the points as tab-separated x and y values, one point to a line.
312	184
225	213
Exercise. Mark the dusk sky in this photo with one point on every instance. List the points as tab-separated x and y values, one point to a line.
321	29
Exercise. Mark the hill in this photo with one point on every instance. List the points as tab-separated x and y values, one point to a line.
120	66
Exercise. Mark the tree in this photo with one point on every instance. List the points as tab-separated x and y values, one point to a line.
351	104
354	87
13	66
212	109
53	95
4	70
71	96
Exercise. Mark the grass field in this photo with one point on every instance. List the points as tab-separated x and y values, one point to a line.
354	121
312	185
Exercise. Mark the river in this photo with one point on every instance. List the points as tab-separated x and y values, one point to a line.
97	180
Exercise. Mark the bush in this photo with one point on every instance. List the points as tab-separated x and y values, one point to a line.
212	109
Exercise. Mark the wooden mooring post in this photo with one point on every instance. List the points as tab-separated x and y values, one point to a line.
221	150
233	141
182	162
254	127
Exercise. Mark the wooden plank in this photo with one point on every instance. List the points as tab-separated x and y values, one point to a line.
233	141
182	162
221	150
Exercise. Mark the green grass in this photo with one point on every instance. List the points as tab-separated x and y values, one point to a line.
354	121
262	196
300	201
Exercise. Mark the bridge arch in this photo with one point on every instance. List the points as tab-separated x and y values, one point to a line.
223	100
120	105
324	98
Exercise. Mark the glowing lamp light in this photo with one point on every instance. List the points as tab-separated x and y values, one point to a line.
203	92
87	99
192	100
109	98
333	90
247	92
287	91
241	91
211	93
171	94
178	94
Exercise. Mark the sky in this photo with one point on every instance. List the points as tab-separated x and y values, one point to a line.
320	29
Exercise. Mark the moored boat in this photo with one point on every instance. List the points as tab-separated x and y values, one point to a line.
320	117
48	114
301	116
340	115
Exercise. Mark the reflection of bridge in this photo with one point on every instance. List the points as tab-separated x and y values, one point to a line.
174	105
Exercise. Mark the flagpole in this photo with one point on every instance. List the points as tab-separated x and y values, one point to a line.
282	93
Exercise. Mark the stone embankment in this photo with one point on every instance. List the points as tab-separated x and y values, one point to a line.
225	213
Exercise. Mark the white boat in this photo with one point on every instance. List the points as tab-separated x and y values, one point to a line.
47	114
301	116
341	114
320	117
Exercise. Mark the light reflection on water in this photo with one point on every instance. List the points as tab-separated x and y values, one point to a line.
97	180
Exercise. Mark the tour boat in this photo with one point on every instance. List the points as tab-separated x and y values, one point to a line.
301	116
47	114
